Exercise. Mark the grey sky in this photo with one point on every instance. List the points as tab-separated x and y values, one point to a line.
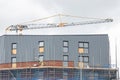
18	11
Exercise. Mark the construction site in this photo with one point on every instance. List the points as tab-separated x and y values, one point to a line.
56	57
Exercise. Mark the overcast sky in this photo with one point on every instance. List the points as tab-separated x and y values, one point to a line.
18	11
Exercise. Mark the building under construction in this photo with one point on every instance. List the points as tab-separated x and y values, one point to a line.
55	57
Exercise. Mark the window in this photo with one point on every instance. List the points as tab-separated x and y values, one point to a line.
65	64
41	58
81	50
13	61
80	44
65	46
85	50
86	45
14	45
80	59
80	64
83	47
83	61
14	48
41	46
86	65
65	49
65	60
65	43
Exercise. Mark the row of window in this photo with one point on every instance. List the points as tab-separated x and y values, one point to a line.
84	59
80	58
83	47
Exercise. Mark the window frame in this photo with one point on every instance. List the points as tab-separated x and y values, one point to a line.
65	46
65	42
65	49
12	61
85	48
85	60
79	60
64	58
65	61
12	46
42	58
41	47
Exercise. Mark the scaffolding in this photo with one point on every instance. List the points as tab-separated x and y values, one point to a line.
57	73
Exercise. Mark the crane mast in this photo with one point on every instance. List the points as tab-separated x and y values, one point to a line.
21	27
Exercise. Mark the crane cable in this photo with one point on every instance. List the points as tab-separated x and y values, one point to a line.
59	15
40	19
78	16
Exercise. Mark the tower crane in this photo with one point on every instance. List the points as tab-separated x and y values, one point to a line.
24	26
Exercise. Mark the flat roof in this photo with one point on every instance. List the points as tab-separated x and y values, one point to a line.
63	35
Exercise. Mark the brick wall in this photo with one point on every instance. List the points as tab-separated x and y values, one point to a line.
37	64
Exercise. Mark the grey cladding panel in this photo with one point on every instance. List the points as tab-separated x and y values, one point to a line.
27	47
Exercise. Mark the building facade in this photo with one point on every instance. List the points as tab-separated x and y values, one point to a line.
55	57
